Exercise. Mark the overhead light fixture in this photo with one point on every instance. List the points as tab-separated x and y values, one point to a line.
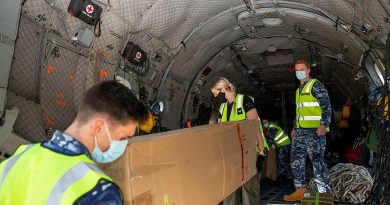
272	21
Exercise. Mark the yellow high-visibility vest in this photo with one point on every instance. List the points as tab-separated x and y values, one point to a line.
37	175
281	138
238	113
308	110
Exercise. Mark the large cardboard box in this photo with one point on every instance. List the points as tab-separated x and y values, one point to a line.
200	165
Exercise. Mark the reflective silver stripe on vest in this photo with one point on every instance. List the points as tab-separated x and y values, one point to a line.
11	163
279	136
309	118
73	175
308	104
240	101
311	81
221	108
282	140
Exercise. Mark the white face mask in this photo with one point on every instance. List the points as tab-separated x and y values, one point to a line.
300	74
116	149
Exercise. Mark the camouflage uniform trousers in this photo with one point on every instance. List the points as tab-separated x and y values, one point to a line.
283	161
306	141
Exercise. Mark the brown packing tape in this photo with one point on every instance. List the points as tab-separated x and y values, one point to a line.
146	170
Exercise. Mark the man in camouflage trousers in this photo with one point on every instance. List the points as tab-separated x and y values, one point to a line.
313	117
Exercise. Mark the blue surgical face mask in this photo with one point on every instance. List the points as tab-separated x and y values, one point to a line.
300	74
266	125
116	149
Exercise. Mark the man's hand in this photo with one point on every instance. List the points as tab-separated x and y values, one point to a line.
321	131
292	133
262	153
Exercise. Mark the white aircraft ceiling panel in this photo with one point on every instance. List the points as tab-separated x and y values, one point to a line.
339	8
199	12
261	45
201	47
204	34
189	69
342	9
325	35
307	28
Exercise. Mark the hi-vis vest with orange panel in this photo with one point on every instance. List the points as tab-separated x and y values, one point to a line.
39	176
237	114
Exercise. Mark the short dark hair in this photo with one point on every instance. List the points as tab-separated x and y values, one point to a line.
303	61
113	99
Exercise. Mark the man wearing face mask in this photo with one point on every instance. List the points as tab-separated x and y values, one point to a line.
313	117
62	170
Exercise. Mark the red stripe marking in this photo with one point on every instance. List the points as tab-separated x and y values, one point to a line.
239	136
